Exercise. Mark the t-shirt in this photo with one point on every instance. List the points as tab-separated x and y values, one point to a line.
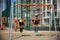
21	22
35	21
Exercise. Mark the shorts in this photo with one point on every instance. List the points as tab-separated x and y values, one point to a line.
21	29
36	28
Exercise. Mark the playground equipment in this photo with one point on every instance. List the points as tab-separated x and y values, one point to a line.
49	6
41	6
27	19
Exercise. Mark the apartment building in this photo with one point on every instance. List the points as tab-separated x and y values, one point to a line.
58	10
46	14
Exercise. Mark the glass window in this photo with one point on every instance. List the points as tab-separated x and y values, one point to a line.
33	11
48	1
57	21
38	1
43	7
24	7
55	6
48	13
46	21
54	1
24	1
44	14
44	1
55	13
33	1
34	7
38	10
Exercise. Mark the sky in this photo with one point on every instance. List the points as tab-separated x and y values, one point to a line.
2	5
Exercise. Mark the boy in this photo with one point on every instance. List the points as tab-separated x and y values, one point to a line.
22	24
36	22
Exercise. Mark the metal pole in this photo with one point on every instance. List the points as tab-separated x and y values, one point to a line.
55	26
18	9
55	23
10	27
49	24
11	20
1	17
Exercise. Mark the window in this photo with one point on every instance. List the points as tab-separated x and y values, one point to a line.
24	1
55	13
43	7
38	10
33	11
24	7
33	1
55	6
46	21
48	1
57	21
54	1
38	1
44	1
44	14
48	13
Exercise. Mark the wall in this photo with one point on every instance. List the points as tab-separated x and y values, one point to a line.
58	9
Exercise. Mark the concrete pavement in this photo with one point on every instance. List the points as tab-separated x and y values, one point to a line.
29	35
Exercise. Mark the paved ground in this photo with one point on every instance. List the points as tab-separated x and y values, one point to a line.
29	35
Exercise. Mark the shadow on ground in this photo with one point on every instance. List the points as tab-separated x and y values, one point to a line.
58	36
21	36
27	35
40	35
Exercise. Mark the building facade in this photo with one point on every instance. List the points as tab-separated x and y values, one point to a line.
58	10
48	17
46	12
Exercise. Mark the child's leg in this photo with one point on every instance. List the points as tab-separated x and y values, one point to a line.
21	29
15	27
36	30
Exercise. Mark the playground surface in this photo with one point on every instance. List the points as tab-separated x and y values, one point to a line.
29	35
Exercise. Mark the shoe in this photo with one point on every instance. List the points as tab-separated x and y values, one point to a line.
36	33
